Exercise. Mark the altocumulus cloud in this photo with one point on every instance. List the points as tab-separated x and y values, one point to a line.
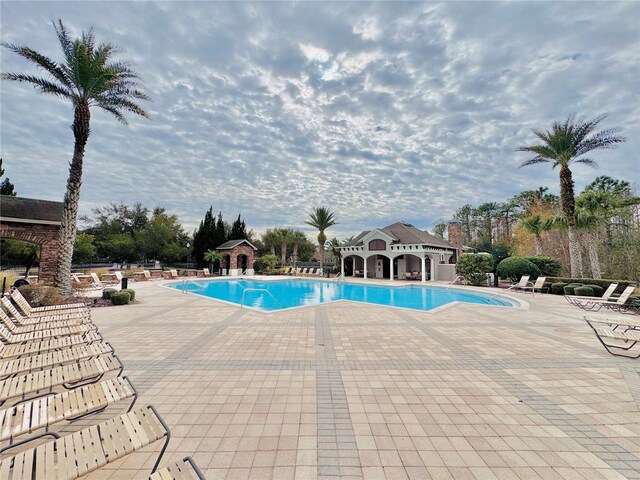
381	111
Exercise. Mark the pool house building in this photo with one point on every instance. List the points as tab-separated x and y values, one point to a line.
402	251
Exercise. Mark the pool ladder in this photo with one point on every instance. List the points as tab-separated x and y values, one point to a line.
185	282
258	290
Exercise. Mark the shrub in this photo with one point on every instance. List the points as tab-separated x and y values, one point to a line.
584	291
570	289
120	298
597	290
558	288
547	286
108	292
42	295
269	262
258	265
515	267
604	282
474	267
131	292
547	265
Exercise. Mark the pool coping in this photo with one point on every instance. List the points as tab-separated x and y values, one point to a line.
518	303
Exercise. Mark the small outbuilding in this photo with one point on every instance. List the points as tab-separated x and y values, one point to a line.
238	257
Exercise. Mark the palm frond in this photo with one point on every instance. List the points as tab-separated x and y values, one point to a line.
41	84
41	61
63	38
534	161
586	161
115	112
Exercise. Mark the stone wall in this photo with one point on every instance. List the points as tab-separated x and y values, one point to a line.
47	236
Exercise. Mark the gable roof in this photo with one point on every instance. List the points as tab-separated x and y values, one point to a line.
30	210
404	235
234	243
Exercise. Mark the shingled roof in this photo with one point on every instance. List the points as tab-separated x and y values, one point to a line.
30	210
405	235
232	243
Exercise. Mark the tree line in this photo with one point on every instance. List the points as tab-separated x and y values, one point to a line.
532	223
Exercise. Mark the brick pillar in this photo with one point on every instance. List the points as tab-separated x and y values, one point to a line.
48	257
234	261
455	238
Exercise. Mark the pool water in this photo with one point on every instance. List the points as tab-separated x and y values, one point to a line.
280	294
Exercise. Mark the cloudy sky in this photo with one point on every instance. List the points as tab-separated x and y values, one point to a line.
380	111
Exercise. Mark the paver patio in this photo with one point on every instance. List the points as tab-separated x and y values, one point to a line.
348	390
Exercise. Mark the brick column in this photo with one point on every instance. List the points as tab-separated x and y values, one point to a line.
455	238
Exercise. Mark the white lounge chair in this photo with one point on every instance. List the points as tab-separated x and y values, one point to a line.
524	281
574	299
595	304
82	452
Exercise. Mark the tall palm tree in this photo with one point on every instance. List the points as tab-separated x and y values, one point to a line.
297	237
562	146
88	77
536	224
284	237
321	218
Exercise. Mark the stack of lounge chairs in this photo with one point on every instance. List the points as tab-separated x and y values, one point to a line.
55	367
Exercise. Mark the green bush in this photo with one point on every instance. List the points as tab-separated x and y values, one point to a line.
584	291
474	267
604	282
547	286
515	267
131	292
107	292
120	298
597	289
558	288
570	289
547	265
259	266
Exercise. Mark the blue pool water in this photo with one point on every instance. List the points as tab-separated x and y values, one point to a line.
279	294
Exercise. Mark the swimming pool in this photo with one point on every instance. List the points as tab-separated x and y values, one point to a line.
288	293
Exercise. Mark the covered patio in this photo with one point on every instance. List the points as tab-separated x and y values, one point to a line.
400	251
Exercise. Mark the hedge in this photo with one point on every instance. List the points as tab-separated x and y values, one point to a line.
558	288
584	291
131	292
120	298
570	289
597	289
604	283
547	265
107	292
515	267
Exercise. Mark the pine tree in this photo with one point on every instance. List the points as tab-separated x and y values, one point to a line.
6	187
220	234
204	237
238	230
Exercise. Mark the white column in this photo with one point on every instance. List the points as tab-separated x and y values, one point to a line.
424	273
433	269
391	269
342	267
365	267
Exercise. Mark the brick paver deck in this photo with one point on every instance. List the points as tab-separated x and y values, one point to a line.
367	392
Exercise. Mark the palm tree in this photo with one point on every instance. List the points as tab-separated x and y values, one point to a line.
284	236
321	218
212	256
297	237
563	146
270	239
536	225
88	77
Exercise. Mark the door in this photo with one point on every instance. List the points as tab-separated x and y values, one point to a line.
379	268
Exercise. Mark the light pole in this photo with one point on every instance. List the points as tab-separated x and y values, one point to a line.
188	254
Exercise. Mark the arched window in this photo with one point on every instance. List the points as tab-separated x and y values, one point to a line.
377	245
